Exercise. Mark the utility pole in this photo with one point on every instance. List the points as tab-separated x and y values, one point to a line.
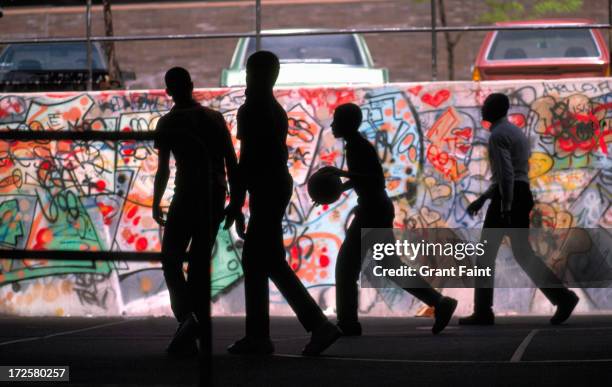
434	42
257	25
89	51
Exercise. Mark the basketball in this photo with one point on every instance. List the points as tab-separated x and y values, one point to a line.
324	188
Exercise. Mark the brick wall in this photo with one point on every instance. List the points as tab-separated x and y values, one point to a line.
408	56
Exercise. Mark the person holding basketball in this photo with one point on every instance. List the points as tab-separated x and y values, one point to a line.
374	210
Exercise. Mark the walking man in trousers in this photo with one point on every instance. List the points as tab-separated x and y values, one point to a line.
201	144
263	173
511	203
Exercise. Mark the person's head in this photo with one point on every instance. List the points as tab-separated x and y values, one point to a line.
347	120
495	106
262	71
178	84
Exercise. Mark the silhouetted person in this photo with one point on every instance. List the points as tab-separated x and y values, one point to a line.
511	203
201	144
374	210
263	172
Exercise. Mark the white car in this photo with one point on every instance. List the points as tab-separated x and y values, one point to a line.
318	59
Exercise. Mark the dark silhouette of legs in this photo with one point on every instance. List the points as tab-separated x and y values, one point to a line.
191	296
348	265
533	265
264	257
177	235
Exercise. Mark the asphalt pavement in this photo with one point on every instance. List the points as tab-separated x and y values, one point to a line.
518	351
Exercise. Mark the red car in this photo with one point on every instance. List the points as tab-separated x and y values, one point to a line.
542	54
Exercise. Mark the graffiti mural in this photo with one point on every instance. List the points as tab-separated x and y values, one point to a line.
97	195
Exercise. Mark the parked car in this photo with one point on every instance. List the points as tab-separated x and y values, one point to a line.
33	67
542	54
310	60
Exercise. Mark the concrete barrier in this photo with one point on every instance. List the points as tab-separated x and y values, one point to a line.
97	195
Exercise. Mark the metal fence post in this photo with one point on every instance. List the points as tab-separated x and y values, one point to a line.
257	25
89	50
434	43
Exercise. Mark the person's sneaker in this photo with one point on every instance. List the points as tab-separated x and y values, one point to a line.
184	341
186	349
442	314
252	346
322	337
479	318
565	309
352	328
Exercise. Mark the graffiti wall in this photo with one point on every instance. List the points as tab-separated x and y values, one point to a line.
96	196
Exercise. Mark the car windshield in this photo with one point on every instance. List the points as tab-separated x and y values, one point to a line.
317	49
543	44
50	57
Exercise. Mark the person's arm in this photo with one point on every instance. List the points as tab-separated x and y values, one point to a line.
349	184
348	174
229	156
352	176
235	176
501	160
238	192
474	207
488	194
161	181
